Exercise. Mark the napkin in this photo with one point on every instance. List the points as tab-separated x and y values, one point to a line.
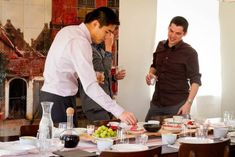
76	152
15	148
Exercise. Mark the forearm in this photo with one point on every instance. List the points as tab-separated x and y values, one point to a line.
185	109
193	93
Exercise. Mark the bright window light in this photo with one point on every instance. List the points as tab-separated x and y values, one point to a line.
203	35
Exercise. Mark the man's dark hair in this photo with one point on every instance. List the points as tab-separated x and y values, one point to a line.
180	21
104	15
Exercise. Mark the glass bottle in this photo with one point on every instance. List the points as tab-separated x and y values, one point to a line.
45	126
70	136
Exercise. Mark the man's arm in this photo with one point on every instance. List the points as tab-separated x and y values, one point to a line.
185	109
151	74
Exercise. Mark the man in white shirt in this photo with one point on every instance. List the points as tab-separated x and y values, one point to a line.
70	58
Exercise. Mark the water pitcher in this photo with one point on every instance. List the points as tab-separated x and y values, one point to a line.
45	126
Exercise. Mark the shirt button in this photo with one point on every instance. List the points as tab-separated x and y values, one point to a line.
166	58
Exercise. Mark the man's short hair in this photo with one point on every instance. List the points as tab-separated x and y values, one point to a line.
180	21
104	15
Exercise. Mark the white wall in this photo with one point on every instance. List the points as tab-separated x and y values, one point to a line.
227	23
136	37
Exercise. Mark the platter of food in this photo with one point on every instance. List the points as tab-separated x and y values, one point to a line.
102	132
135	129
190	124
173	127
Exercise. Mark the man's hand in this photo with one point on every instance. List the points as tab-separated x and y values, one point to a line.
128	117
120	75
108	42
149	78
100	77
185	109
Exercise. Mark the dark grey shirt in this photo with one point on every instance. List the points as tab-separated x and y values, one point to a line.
102	62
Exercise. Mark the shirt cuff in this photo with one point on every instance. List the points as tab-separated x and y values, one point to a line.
108	54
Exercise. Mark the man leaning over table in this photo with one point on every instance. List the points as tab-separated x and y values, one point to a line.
176	70
70	58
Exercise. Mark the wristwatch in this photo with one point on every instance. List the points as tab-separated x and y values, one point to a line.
190	101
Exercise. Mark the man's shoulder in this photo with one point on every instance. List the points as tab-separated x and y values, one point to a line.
188	47
73	31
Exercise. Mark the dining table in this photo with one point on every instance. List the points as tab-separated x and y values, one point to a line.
88	147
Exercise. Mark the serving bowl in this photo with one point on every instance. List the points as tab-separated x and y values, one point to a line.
152	127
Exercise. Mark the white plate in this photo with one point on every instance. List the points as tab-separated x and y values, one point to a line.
232	139
231	134
129	147
218	124
80	130
195	140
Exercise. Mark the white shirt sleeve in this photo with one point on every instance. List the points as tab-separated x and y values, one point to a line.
81	56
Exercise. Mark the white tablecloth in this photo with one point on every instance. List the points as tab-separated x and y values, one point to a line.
14	148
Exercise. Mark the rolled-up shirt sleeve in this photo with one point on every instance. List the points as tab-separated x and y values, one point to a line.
193	69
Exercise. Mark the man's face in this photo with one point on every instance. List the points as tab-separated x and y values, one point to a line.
99	33
175	34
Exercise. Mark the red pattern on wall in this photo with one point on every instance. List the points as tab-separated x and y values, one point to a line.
100	3
63	13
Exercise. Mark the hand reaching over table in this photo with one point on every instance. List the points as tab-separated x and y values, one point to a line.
128	117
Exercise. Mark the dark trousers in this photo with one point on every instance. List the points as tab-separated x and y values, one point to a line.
97	115
58	111
156	110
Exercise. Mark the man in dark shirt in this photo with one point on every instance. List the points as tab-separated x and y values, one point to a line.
176	71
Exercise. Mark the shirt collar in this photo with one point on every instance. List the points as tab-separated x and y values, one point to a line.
86	31
173	47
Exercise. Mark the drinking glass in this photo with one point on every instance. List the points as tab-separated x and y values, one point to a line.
153	79
121	134
120	68
90	129
141	139
228	117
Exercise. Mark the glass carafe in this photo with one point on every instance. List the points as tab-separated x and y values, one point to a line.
45	126
69	137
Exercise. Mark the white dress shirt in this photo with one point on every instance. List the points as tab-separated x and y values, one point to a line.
70	58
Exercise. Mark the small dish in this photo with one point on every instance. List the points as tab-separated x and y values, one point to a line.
104	144
28	140
168	138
